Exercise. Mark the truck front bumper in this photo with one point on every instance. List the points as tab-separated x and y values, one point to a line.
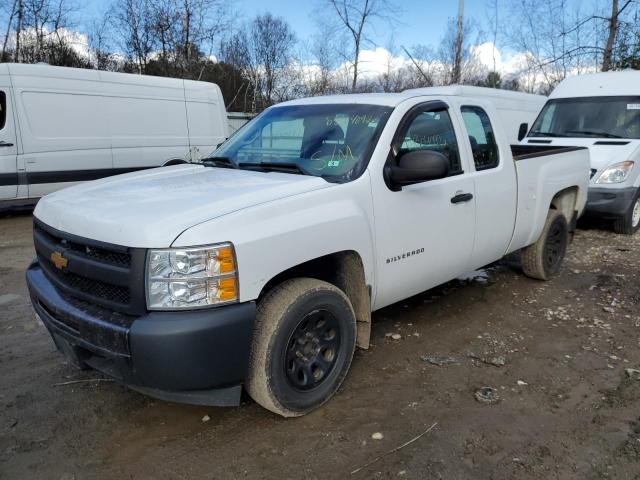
198	356
610	202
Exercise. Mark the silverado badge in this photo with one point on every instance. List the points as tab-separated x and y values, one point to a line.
59	261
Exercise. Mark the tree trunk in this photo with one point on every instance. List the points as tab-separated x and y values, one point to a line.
354	83
457	62
19	30
6	37
613	31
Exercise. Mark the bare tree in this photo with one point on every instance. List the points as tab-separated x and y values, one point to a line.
470	68
100	44
355	16
456	76
136	30
613	25
263	50
10	15
272	44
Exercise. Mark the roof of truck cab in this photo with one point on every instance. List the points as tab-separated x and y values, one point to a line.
602	84
394	99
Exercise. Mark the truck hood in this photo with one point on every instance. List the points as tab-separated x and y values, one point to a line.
151	208
602	155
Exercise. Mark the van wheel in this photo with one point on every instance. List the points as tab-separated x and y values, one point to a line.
630	222
303	343
543	259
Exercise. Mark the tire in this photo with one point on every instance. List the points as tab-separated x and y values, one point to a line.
543	259
303	344
630	222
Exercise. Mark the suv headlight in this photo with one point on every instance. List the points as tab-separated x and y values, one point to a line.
617	173
184	278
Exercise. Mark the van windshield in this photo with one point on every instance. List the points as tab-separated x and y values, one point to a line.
330	141
604	117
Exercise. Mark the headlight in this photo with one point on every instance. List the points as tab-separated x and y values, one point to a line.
617	173
184	278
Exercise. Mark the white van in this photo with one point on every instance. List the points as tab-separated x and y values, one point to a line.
600	111
517	110
60	126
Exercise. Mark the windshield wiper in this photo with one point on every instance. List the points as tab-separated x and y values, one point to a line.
594	133
223	162
287	167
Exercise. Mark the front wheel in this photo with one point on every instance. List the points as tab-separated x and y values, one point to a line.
630	222
303	343
543	259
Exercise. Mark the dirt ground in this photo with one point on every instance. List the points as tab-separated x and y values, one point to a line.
555	352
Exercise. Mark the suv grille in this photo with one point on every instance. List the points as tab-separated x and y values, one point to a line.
103	274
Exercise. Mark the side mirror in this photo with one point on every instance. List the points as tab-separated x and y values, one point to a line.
522	131
418	166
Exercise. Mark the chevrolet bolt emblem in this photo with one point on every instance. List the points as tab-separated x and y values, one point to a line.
59	261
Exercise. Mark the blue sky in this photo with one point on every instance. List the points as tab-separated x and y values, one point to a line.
421	21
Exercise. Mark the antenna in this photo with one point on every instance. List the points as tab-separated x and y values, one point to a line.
427	79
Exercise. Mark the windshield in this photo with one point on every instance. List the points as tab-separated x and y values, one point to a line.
329	141
604	117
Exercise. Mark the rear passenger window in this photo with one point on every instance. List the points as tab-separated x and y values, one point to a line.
3	109
481	137
433	131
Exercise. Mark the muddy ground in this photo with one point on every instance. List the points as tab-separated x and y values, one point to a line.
555	352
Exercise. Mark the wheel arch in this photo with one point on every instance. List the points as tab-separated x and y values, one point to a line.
566	201
343	269
174	161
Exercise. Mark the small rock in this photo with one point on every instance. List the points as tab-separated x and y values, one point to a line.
206	418
487	395
522	383
608	309
440	361
632	373
396	336
377	436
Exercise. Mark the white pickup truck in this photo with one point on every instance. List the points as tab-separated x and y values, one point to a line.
261	267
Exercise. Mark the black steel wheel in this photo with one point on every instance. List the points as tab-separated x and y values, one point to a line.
544	258
303	343
312	350
555	245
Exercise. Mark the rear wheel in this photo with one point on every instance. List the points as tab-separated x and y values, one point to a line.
544	258
303	343
630	222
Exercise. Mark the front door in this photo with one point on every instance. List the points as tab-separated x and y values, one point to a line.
425	231
8	144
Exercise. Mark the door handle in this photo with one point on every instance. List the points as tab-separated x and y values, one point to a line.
462	197
5	144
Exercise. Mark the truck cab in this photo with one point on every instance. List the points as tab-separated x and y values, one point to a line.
600	111
260	268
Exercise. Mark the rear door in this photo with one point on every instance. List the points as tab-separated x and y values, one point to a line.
494	180
425	231
8	143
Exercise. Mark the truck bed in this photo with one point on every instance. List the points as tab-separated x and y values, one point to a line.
542	171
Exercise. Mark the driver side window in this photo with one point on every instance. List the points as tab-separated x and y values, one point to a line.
433	131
